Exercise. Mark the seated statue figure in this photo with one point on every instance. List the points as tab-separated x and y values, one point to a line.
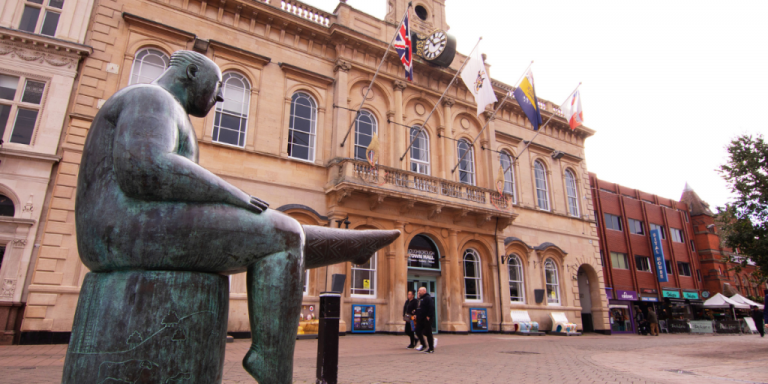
144	203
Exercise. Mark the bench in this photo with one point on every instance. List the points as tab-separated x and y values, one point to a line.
561	326
523	325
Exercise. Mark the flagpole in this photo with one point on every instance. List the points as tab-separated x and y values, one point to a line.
386	52
542	127
421	128
492	116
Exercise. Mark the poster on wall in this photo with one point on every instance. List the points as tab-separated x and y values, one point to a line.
363	318
479	318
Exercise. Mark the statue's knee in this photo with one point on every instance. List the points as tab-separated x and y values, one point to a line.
289	228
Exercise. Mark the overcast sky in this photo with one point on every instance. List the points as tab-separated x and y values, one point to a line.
666	84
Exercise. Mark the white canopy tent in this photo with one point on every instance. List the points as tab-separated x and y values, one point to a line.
720	301
743	300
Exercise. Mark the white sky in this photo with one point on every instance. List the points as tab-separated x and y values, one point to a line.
666	84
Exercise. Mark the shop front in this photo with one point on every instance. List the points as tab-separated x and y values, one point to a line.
622	313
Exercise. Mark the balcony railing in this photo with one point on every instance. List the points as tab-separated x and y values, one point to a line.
302	10
381	176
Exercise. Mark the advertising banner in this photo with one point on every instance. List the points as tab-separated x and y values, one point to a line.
701	326
690	295
727	326
678	326
479	318
658	256
363	318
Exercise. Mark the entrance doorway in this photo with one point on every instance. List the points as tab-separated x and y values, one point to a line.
416	282
585	297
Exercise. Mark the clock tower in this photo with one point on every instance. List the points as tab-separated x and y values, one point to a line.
426	15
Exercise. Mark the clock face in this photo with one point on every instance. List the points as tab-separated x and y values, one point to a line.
435	45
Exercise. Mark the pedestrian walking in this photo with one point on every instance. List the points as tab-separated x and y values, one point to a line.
425	309
654	321
409	311
757	317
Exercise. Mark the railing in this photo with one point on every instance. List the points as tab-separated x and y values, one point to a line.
404	179
304	11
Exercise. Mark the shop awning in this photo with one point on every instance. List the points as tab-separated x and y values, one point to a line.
720	301
743	300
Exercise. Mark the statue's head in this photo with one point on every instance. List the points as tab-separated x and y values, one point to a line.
195	80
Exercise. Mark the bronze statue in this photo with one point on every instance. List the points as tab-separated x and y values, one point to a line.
143	203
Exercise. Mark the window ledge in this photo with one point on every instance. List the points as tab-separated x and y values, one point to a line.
477	304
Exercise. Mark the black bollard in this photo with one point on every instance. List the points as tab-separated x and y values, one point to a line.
328	333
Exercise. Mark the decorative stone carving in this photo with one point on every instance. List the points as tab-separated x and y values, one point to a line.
40	57
19	243
449	102
342	65
8	288
399	85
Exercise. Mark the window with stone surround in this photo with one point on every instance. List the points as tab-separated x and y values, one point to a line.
148	65
41	16
6	206
573	196
509	176
365	128
466	162
542	191
364	278
419	151
20	102
230	123
473	278
552	282
516	283
302	126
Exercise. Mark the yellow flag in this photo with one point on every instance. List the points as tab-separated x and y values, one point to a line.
500	180
372	152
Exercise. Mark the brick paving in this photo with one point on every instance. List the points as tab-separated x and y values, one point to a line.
488	358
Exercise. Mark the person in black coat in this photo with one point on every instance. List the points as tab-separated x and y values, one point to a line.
409	309
757	317
425	310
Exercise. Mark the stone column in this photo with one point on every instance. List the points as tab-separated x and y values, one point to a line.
456	299
399	274
444	163
341	117
402	135
506	319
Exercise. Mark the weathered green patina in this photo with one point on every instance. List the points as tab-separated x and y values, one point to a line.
144	204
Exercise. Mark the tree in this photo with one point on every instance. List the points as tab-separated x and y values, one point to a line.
743	224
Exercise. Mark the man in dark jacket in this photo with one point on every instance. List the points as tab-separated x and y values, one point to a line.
425	310
409	309
757	317
653	320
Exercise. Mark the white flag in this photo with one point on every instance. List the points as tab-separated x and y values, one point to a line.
477	80
572	110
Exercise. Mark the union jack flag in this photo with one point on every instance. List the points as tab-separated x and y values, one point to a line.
403	45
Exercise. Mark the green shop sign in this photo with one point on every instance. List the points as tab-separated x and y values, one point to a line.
691	295
672	294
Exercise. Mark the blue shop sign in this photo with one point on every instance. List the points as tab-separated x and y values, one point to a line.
650	299
658	256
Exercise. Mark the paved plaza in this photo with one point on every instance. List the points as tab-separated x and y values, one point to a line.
488	358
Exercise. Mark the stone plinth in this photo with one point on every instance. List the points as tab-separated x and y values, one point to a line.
149	326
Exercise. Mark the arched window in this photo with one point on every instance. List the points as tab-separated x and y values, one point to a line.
419	151
466	162
365	128
542	193
306	283
573	197
6	206
509	176
516	287
553	284
148	65
301	131
231	121
473	279
364	278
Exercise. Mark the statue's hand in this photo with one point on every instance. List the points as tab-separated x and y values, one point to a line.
258	205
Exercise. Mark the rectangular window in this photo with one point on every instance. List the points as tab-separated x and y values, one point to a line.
693	248
19	110
613	222
619	260
669	267
32	22
364	278
29	19
306	282
643	263
50	23
636	227
661	229
684	269
677	235
698	274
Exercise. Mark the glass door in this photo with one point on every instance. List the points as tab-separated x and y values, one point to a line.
414	283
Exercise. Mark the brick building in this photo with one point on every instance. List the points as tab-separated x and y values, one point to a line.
288	68
625	218
716	269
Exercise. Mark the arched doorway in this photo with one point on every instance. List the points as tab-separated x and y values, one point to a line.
589	296
424	270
